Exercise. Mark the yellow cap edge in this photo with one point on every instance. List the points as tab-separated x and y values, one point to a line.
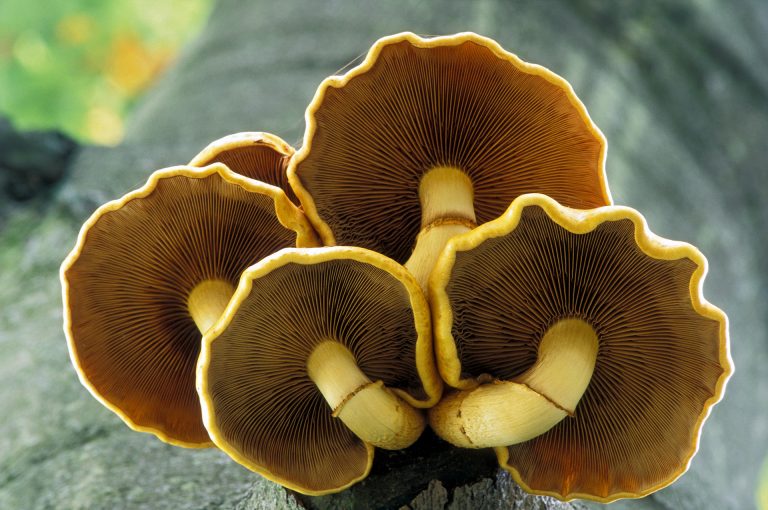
305	198
425	363
288	215
576	221
239	140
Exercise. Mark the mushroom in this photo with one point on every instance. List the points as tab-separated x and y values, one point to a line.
582	347
321	355
429	137
260	156
153	270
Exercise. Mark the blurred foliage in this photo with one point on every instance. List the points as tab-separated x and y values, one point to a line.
79	65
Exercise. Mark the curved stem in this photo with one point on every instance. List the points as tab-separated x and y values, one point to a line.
207	302
447	209
503	413
494	414
369	409
566	360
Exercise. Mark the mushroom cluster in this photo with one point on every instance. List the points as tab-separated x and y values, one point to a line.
446	222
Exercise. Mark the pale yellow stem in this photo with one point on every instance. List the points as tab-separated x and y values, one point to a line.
447	209
207	302
494	414
566	360
503	413
369	409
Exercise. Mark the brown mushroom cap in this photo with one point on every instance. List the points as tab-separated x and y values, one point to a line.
260	156
127	281
415	104
260	405
662	360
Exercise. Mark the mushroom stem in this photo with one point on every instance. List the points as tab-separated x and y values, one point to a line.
503	413
566	360
369	409
447	210
207	302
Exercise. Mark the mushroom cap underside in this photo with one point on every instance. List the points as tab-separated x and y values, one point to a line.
460	101
663	358
254	154
126	283
259	403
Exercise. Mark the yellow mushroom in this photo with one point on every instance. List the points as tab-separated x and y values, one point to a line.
260	156
429	137
151	272
322	355
582	348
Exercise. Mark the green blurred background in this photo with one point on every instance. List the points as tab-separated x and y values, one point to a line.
79	66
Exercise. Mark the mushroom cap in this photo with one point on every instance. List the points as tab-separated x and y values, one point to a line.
663	358
259	404
125	286
254	154
414	104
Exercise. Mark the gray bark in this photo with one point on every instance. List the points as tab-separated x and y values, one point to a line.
679	89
